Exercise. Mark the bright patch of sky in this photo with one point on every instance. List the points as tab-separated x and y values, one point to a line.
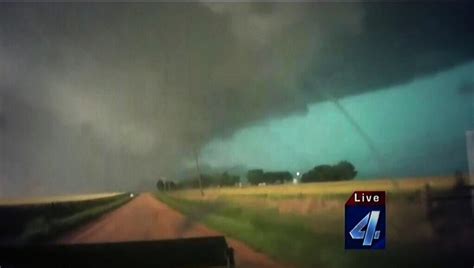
418	128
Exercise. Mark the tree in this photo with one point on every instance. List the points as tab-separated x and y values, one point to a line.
318	173
169	185
188	183
160	185
255	176
172	185
276	177
343	170
228	180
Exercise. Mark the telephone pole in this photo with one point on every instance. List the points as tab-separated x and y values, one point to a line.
470	162
199	171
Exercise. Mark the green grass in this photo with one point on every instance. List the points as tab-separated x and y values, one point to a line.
295	239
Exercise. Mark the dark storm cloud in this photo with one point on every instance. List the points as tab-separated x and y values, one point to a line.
107	96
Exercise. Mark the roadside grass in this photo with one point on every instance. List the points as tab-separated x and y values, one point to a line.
313	241
43	223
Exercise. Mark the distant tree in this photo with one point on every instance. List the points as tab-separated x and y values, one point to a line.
193	182
208	180
172	185
175	185
318	173
188	183
169	185
344	170
228	180
255	176
160	185
276	177
234	180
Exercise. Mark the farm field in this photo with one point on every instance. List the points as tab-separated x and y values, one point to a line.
49	199
45	219
303	224
403	186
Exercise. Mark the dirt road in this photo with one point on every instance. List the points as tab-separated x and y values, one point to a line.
146	218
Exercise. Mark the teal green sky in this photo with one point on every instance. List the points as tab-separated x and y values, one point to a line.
418	128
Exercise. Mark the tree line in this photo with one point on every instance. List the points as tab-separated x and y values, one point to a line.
256	176
344	170
207	180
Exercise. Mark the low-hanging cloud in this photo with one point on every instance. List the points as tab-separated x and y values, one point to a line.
115	96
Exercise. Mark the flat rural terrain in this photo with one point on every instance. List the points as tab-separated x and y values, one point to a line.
146	218
49	199
342	188
270	226
303	224
43	219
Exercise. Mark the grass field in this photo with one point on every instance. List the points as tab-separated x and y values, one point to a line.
303	224
26	221
399	186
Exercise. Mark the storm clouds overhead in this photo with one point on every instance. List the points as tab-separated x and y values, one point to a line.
112	96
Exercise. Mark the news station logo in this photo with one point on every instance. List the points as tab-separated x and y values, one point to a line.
365	220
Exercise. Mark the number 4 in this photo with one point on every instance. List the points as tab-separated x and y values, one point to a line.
370	220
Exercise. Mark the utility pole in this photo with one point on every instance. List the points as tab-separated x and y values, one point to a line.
199	171
188	83
470	161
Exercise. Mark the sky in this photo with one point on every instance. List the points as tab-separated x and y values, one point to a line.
417	129
112	96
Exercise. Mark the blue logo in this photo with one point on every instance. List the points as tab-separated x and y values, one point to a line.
365	220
